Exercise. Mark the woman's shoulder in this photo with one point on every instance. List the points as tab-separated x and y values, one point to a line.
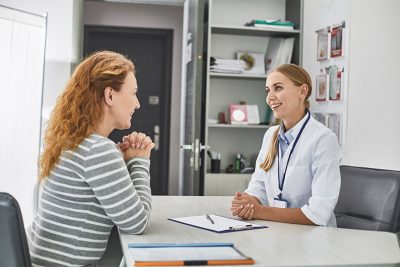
319	129
319	132
95	143
270	132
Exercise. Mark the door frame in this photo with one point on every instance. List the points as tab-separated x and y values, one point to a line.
165	117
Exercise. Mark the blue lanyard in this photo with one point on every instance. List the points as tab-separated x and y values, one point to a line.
290	154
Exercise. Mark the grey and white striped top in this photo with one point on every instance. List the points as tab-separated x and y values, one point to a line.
89	191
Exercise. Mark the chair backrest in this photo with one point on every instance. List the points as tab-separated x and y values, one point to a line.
369	199
14	249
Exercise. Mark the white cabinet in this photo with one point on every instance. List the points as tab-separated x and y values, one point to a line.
227	35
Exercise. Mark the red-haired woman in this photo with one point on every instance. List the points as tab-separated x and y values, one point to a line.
89	183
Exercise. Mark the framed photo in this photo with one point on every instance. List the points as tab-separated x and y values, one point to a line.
334	123
337	41
238	114
322	44
254	62
322	87
320	117
335	83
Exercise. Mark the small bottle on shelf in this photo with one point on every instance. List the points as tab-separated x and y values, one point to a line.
238	161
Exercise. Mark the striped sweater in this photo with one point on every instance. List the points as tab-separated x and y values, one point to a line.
89	191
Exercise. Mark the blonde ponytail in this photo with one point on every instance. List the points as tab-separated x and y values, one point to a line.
272	152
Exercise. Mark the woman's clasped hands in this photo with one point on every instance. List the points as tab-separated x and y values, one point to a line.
245	206
136	145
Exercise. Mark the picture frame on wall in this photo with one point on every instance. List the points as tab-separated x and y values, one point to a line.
337	41
322	87
334	123
320	117
322	44
335	83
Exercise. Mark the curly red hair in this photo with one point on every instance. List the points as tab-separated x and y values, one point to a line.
79	108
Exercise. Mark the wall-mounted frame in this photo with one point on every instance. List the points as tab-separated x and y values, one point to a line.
337	40
335	83
322	87
323	44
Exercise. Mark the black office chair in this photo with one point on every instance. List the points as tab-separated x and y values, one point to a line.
369	199
14	250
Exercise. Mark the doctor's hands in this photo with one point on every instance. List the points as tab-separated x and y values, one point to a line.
136	145
245	205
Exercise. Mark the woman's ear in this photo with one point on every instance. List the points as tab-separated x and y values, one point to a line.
304	90
108	95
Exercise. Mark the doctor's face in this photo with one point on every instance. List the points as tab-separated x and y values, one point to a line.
283	96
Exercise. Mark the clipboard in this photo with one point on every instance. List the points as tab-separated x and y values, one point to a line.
175	254
218	224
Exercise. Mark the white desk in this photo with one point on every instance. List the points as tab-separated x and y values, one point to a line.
279	245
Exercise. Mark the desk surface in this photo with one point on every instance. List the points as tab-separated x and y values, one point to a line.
279	245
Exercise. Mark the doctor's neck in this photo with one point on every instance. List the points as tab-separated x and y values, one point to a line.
293	119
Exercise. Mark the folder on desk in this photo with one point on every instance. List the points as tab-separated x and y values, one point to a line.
217	224
171	254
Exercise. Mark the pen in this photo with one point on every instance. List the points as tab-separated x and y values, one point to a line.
240	227
209	218
195	262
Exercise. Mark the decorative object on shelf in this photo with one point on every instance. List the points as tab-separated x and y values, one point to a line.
253	116
229	169
215	166
249	59
337	40
238	114
254	62
244	114
221	118
269	116
323	43
215	161
322	87
238	162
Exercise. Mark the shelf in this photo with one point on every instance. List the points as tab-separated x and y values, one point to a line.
224	174
248	126
237	76
253	31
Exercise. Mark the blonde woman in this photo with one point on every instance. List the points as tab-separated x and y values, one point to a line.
89	183
297	177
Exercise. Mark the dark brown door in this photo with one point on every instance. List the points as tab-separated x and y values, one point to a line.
151	51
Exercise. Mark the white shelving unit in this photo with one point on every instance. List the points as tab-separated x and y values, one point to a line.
227	35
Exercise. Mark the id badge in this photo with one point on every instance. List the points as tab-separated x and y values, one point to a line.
280	203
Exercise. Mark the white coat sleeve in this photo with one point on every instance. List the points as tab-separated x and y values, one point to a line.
326	182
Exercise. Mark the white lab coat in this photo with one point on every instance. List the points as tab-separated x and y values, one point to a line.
312	180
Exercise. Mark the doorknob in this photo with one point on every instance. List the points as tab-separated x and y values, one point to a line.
156	137
196	147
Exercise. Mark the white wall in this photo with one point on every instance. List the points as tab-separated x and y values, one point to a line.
318	15
61	47
374	90
21	72
372	93
150	16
